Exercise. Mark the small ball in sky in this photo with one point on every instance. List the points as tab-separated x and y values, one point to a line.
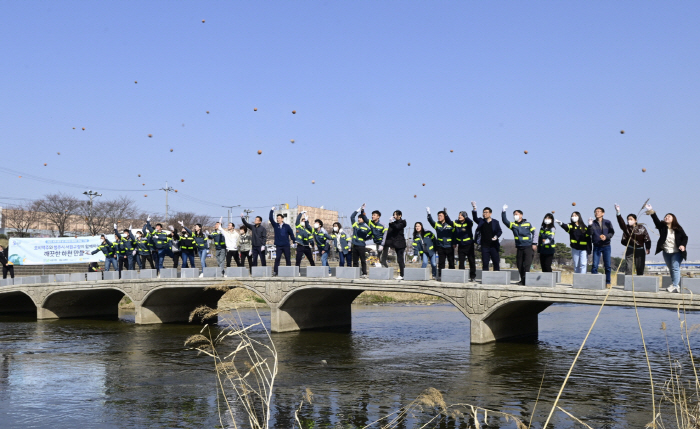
136	81
150	135
255	109
175	190
409	164
292	140
423	184
573	204
415	196
44	164
20	177
622	131
83	128
171	150
58	153
73	127
202	21
182	180
259	152
143	184
207	112
525	152
313	182
552	211
451	151
294	112
644	170
139	175
145	195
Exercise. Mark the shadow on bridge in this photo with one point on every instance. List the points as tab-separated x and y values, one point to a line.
17	303
174	304
98	302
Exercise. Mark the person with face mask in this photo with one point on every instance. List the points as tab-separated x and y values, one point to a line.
444	231
580	241
110	254
465	242
259	237
201	244
143	250
636	240
217	237
378	231
488	231
187	247
231	237
303	239
672	242
283	233
323	242
342	245
245	244
361	232
423	247
545	244
524	234
395	239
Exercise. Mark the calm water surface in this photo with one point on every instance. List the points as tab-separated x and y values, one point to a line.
113	374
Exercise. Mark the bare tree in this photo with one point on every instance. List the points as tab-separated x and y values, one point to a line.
96	217
21	218
122	209
190	219
58	209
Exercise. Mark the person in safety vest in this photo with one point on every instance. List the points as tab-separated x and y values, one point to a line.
545	243
580	241
187	247
524	234
161	242
303	238
342	245
108	249
465	242
361	232
323	241
217	237
444	230
125	249
143	250
424	247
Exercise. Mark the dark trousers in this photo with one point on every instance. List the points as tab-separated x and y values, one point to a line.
304	250
399	259
162	253
145	258
187	256
546	262
445	253
639	255
466	252
176	258
358	254
257	252
245	256
492	254
523	260
345	259
232	254
287	256
6	269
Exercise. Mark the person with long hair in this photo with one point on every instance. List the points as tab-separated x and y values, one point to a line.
672	242
231	237
465	242
395	239
424	247
580	241
342	245
200	239
545	243
245	245
444	230
636	240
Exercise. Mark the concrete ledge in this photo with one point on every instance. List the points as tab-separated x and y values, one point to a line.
148	274
514	275
189	273
478	274
130	275
168	273
211	272
642	283
262	271
110	275
558	273
689	285
28	280
78	277
416	274
97	275
317	271
292	271
454	276
238	272
589	281
7	282
666	281
347	272
495	278
620	279
62	278
381	273
541	279
48	278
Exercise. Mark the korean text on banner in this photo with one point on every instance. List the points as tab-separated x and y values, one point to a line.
52	250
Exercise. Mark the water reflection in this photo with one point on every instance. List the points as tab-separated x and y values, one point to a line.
114	374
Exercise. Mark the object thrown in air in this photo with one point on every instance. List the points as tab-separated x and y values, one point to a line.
44	164
423	184
255	109
58	153
525	152
136	81
644	170
202	21
83	128
409	164
622	131
150	135
313	182
451	151
171	150
145	195
294	112
139	175
292	140
415	196
182	180
573	204
207	112
259	152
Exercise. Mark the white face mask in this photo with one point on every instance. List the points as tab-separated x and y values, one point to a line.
547	221
316	225
517	218
631	222
335	229
574	219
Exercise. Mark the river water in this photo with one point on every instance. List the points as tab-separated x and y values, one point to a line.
74	373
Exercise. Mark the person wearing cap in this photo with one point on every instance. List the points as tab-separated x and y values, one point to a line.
444	231
465	243
488	231
525	241
108	249
395	239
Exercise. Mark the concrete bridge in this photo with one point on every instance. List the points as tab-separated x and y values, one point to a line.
495	311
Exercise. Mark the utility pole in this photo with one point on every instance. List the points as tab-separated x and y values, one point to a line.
230	209
90	195
166	189
247	214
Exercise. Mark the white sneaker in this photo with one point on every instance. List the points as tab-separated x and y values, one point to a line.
671	288
398	278
225	275
201	275
158	275
678	289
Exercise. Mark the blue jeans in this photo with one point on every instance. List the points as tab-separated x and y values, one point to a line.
432	260
580	260
605	251
345	259
673	262
185	258
202	259
324	259
111	262
162	253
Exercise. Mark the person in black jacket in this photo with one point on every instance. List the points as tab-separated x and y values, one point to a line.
259	237
601	231
7	266
580	241
395	240
673	242
488	231
465	241
444	231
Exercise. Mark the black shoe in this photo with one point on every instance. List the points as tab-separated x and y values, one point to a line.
472	279
521	283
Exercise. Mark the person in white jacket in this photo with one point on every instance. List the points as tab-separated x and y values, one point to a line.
231	236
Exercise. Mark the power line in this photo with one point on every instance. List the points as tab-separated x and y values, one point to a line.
68	184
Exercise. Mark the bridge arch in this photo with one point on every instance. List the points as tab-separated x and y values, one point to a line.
173	304
509	318
88	302
17	302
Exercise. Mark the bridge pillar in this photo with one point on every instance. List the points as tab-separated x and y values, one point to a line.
511	320
313	309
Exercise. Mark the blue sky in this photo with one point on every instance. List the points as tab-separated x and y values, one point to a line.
376	85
